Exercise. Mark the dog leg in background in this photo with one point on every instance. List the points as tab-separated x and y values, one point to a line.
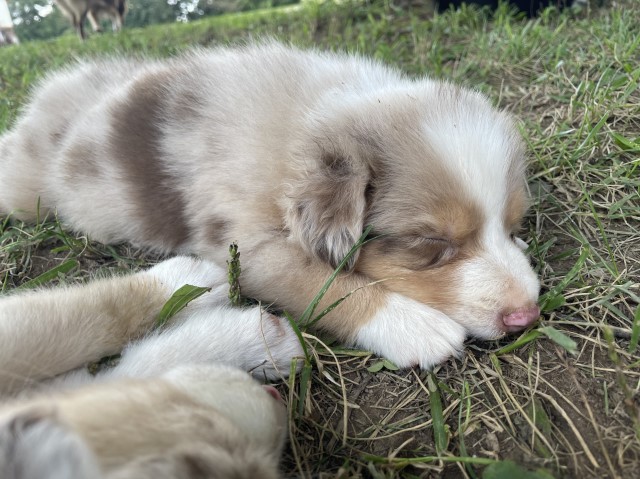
48	332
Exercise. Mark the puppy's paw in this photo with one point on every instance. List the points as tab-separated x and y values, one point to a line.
275	344
180	270
34	445
411	333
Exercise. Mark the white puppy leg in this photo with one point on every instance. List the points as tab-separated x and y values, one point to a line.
249	339
47	332
410	333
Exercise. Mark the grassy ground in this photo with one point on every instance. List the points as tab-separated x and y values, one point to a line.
564	405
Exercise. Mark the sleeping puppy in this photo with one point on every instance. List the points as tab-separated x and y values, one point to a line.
291	154
176	405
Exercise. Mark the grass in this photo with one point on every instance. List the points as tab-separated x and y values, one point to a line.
560	400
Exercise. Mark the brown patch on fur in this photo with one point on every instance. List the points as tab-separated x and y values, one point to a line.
432	285
515	207
58	134
422	242
329	208
80	160
216	231
186	105
135	146
420	260
195	466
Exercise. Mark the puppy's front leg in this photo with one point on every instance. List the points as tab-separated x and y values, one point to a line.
249	339
405	331
48	332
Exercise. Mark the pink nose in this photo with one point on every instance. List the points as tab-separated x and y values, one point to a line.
273	392
520	318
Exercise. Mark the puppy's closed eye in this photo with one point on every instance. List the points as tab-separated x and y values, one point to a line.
431	252
419	252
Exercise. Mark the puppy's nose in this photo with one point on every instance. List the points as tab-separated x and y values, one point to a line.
520	318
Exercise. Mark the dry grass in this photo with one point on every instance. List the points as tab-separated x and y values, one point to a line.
574	81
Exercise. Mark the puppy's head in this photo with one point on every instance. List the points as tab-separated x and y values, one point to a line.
440	175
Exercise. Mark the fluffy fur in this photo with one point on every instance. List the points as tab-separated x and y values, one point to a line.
291	153
174	406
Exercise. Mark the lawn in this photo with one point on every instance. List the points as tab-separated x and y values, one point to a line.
560	400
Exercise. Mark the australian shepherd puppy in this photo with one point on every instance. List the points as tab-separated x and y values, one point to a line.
292	154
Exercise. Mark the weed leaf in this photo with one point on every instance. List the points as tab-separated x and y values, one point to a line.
560	339
376	367
178	301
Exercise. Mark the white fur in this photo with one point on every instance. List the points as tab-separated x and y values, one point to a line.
412	334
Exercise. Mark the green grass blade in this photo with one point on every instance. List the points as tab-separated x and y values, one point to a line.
305	386
560	339
550	297
635	332
305	319
400	462
296	329
440	435
53	273
518	343
465	405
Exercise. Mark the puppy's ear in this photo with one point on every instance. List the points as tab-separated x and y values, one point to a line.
329	205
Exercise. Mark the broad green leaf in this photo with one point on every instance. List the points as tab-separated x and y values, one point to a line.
376	367
178	301
389	365
553	303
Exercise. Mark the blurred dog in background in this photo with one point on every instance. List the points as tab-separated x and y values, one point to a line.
95	10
